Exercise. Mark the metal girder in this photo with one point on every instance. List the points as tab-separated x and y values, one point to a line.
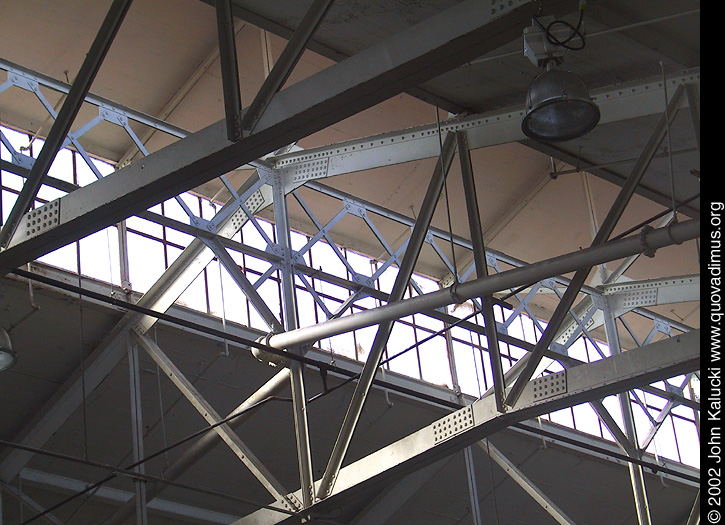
608	225
623	297
64	483
229	68
27	500
479	258
658	361
237	446
525	483
461	292
377	73
66	116
201	447
616	103
402	280
290	320
285	63
160	297
382	508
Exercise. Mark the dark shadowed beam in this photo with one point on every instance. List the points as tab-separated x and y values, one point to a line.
66	116
407	59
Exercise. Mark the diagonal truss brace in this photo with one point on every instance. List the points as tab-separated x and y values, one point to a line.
581	384
212	417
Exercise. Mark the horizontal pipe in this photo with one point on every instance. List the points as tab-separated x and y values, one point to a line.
649	240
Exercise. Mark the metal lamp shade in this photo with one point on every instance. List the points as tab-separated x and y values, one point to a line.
558	108
7	354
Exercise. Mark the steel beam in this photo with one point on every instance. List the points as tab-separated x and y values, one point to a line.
525	483
377	73
230	69
237	446
382	508
405	272
616	103
581	384
636	472
66	116
615	212
479	259
114	495
27	500
290	316
610	251
201	447
137	432
160	297
285	63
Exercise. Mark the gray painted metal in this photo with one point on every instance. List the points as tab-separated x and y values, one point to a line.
610	251
479	258
405	272
160	297
66	116
290	316
525	483
584	383
237	446
615	212
285	63
229	68
424	51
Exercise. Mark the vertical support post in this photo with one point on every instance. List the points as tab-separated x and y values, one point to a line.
230	69
472	490
66	116
468	455
479	258
289	313
286	63
124	266
625	194
137	432
636	473
693	101
417	238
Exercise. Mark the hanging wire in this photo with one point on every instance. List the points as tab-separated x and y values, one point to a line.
80	330
448	206
127	470
575	31
493	485
161	403
669	143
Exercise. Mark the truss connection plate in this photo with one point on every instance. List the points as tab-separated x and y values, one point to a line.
452	424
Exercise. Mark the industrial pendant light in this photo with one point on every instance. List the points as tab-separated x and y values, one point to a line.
8	356
558	106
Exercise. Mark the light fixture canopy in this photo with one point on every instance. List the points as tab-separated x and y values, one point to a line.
558	107
8	356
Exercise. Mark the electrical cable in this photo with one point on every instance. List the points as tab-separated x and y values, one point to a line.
127	471
575	31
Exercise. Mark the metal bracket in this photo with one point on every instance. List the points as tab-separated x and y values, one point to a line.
39	220
549	386
452	424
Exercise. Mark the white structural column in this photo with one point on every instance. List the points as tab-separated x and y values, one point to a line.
290	315
636	472
137	431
